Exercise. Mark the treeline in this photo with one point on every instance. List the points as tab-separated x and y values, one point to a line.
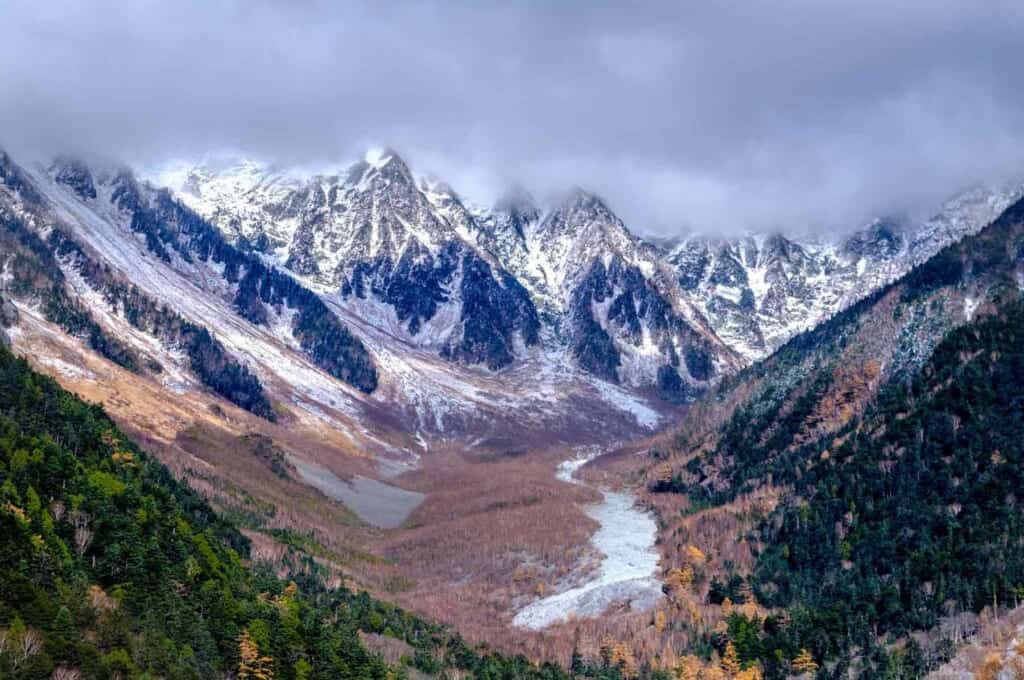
207	357
906	517
168	225
113	569
913	516
32	273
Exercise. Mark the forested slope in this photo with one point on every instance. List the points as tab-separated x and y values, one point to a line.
112	569
890	441
35	278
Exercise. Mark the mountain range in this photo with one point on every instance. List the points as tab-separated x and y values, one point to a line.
673	315
369	359
369	294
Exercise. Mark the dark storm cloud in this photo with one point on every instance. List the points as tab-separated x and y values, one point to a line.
716	115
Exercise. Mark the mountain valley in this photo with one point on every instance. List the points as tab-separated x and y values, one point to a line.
455	407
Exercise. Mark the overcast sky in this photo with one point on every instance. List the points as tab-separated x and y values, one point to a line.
713	115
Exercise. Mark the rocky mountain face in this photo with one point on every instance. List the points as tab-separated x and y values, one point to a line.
64	229
488	285
371	234
479	286
624	314
118	287
758	291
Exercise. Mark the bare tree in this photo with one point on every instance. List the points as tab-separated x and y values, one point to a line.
25	647
83	533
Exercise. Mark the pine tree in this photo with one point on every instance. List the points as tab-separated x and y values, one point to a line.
576	665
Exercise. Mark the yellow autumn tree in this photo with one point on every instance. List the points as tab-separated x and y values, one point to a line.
713	673
689	668
804	662
660	620
286	600
680	580
621	656
694	555
1016	668
731	660
752	673
251	664
990	667
749	609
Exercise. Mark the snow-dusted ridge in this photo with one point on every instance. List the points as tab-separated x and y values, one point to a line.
718	302
422	400
759	290
472	283
489	319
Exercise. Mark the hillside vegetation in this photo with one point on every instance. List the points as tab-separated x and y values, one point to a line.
890	441
112	569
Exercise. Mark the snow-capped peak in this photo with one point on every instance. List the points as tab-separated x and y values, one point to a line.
378	157
519	203
361	230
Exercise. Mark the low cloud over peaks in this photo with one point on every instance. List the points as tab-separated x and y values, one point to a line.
729	116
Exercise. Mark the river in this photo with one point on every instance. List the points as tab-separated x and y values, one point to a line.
629	565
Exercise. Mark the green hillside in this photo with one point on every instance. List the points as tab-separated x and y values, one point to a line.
113	569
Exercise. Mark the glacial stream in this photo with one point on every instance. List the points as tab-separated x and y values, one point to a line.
628	569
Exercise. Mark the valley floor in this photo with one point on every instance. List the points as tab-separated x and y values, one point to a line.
503	543
629	562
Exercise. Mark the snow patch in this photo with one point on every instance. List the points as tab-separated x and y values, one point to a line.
624	401
970	306
64	368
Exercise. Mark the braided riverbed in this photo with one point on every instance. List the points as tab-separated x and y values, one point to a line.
629	565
